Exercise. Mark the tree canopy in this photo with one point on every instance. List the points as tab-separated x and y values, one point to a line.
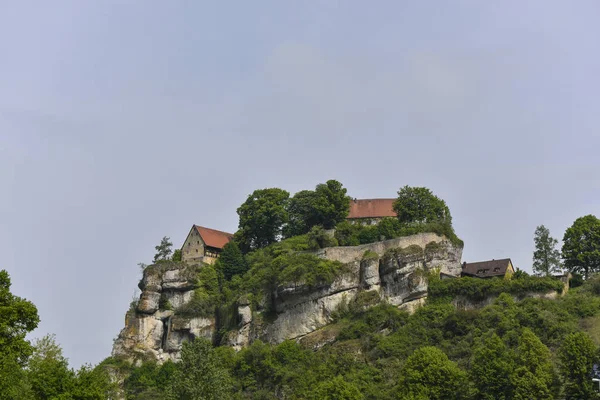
327	205
231	261
420	205
581	246
261	218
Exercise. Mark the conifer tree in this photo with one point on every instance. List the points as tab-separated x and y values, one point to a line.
546	257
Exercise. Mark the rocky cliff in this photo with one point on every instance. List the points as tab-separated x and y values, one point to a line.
395	271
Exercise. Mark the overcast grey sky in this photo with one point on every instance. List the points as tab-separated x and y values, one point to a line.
123	121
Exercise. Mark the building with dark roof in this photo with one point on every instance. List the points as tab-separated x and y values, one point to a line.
489	269
204	245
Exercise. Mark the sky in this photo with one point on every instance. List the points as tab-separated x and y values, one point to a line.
125	121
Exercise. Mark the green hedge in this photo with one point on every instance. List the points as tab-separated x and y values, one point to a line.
479	289
352	234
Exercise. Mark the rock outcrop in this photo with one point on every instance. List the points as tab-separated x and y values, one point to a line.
154	329
395	271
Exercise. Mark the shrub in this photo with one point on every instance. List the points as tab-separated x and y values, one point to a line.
478	289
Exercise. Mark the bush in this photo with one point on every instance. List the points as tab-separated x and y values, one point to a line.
478	289
352	234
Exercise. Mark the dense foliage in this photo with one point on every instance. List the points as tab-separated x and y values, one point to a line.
420	205
532	349
581	246
349	234
262	217
478	289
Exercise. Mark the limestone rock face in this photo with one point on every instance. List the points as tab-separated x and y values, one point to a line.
396	270
151	333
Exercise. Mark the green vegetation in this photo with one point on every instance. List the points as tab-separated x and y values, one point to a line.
420	205
532	349
231	261
39	371
262	217
326	206
478	289
546	257
581	246
350	234
163	250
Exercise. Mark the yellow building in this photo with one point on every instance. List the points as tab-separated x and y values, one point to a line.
204	245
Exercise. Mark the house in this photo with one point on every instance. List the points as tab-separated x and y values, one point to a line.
203	245
489	269
370	211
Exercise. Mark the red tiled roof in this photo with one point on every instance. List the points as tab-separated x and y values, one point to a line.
371	208
213	237
486	268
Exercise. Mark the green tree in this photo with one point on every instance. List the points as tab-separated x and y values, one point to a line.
177	255
262	217
337	389
327	205
17	317
581	246
491	367
303	214
577	354
429	374
93	384
420	205
534	375
200	375
546	257
231	261
333	204
163	250
48	370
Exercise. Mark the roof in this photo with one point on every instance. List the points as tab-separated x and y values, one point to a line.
484	269
213	237
371	208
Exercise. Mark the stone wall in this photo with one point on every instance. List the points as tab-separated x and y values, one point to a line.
193	247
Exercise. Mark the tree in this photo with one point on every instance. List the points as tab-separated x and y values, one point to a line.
262	217
48	370
534	376
581	246
177	255
420	205
429	374
200	375
491	367
337	389
302	211
546	258
163	250
17	317
577	354
327	205
231	261
333	205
